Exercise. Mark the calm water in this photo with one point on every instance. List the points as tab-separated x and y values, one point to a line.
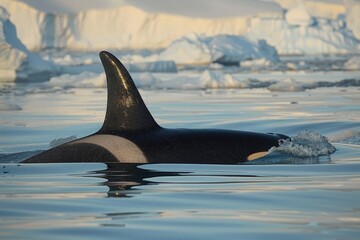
178	201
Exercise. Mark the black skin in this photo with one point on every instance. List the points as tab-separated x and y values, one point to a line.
128	117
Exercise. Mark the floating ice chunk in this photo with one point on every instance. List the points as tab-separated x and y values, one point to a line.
216	79
69	60
290	85
231	49
297	66
157	66
306	144
352	64
82	80
261	62
189	49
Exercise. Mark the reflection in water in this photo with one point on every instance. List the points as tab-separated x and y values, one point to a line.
122	177
101	201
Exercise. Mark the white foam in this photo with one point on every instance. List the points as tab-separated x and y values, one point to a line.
305	144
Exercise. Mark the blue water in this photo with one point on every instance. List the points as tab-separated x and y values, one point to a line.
306	200
95	201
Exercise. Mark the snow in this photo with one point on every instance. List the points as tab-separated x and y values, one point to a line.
290	85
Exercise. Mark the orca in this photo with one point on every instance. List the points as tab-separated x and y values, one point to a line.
130	134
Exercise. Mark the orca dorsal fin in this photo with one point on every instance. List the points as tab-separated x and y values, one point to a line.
126	110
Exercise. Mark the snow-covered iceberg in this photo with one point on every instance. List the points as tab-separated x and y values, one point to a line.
306	27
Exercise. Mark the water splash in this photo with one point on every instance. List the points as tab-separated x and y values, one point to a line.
306	144
307	147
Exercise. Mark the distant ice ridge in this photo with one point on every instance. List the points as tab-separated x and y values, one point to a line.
16	61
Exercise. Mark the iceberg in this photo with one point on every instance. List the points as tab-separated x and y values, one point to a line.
306	27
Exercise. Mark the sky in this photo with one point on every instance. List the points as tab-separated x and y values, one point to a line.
193	8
